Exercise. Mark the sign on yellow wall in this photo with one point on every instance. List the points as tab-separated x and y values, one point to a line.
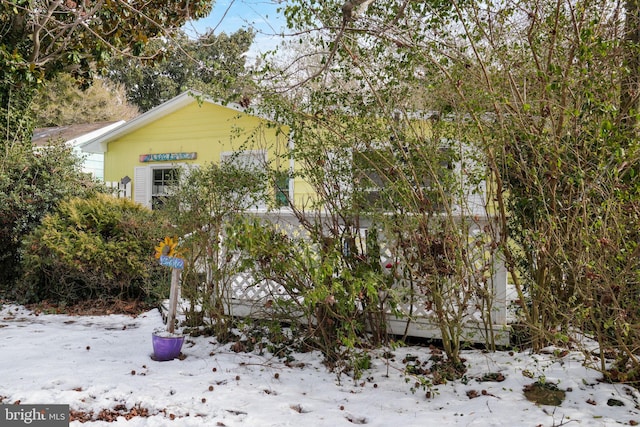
164	157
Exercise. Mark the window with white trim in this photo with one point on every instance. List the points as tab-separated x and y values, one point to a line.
152	183
251	161
162	179
380	175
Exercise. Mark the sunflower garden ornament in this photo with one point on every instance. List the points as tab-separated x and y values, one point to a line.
168	253
167	247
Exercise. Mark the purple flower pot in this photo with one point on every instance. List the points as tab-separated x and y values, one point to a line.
166	347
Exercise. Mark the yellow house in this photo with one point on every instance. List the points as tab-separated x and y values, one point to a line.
194	130
188	130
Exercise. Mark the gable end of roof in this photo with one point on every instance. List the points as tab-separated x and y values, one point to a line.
99	144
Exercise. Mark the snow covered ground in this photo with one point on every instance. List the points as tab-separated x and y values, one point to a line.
101	367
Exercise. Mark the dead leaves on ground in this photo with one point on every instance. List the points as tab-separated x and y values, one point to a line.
109	415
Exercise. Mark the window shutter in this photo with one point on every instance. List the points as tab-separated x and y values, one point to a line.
142	186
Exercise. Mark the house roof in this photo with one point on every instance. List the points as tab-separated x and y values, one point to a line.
69	133
99	143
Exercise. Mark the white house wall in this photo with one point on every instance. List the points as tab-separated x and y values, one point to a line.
92	163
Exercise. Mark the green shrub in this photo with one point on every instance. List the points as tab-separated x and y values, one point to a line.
204	204
101	247
335	293
32	183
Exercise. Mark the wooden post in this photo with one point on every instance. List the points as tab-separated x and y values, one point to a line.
173	300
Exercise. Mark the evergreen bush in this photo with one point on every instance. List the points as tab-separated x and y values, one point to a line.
100	247
32	183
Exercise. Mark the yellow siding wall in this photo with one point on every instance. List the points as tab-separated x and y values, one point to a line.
304	196
207	129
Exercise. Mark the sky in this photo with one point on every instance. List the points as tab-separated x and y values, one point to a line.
231	15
